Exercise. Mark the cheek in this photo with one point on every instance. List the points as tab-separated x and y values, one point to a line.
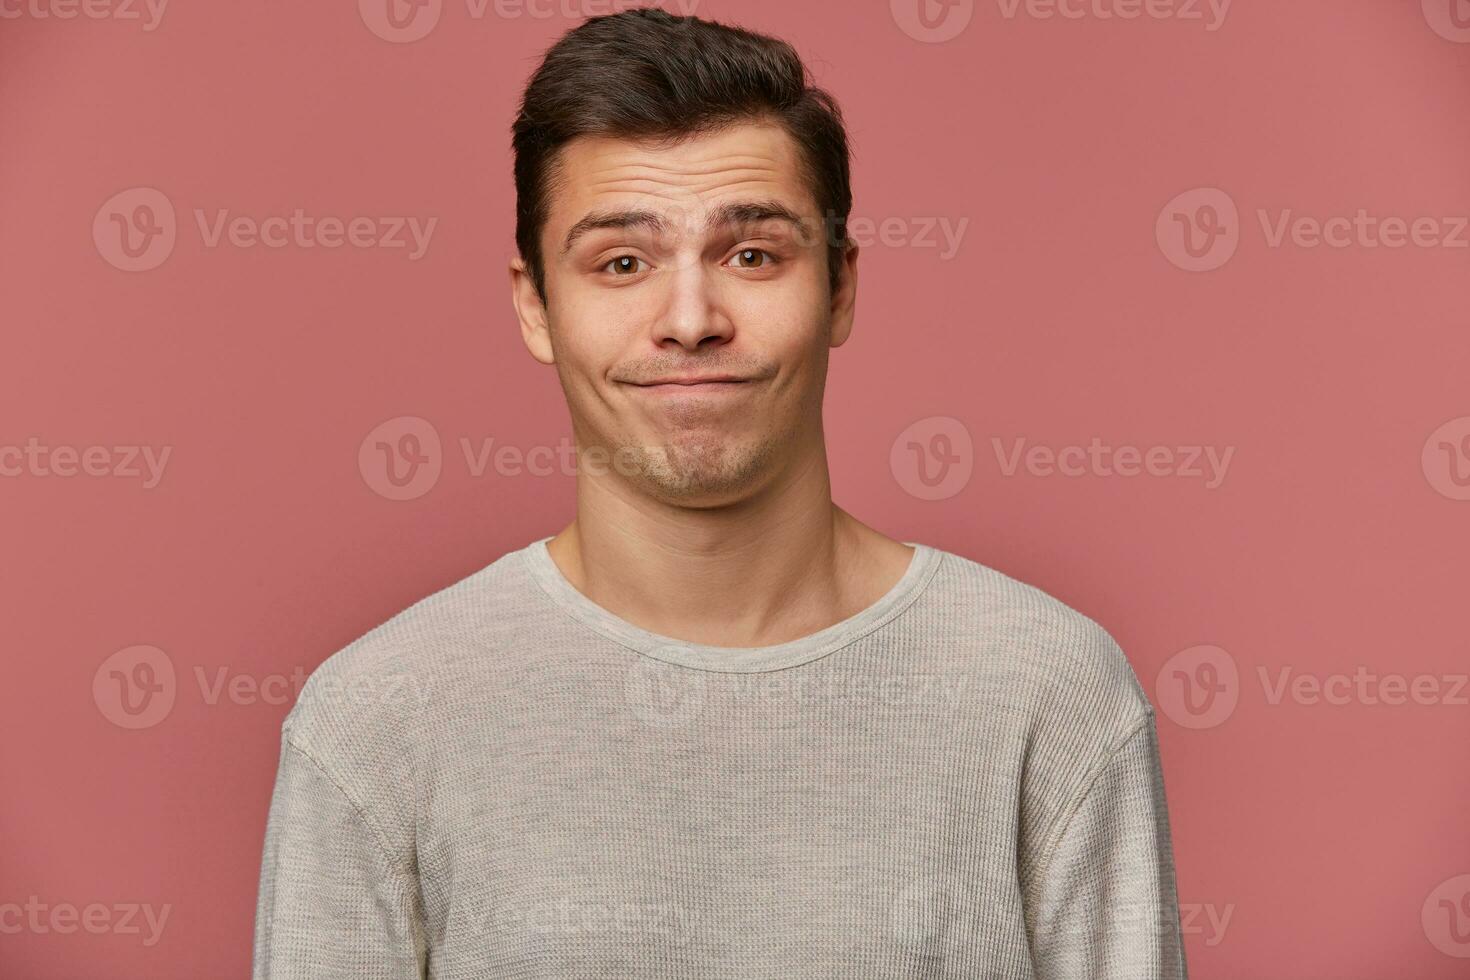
584	337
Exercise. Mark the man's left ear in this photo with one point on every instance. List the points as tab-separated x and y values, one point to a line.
844	296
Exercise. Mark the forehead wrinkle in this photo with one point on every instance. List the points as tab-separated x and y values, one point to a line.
648	180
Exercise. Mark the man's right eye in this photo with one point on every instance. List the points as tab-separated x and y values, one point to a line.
623	265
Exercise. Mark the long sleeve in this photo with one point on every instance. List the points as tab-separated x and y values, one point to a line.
332	903
1103	905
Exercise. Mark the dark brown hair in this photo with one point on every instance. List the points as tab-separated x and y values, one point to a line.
647	74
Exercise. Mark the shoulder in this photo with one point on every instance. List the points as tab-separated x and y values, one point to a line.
369	694
1064	668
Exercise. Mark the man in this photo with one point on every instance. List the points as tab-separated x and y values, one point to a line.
715	727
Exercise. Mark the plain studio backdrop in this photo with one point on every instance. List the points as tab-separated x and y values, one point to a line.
1162	308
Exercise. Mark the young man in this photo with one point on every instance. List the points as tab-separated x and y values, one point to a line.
715	727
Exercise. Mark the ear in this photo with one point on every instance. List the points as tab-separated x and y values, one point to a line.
530	311
844	297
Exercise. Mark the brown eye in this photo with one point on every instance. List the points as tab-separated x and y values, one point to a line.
751	258
623	265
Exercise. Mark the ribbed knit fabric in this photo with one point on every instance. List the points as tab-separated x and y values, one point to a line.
507	781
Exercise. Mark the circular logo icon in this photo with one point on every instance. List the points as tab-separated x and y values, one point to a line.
135	230
1198	687
1199	230
1446	459
135	687
664	695
1446	917
932	21
921	914
401	459
400	21
1450	19
933	458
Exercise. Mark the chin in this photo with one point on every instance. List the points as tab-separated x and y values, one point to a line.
707	474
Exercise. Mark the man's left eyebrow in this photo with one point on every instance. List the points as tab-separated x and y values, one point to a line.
749	212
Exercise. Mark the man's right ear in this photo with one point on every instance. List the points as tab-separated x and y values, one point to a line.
530	311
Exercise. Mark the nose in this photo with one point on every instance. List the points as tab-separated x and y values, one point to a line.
692	315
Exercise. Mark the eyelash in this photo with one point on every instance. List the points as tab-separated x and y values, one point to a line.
769	259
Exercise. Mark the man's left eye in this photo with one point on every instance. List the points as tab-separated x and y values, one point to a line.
752	258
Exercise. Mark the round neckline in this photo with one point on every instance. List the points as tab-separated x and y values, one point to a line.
700	656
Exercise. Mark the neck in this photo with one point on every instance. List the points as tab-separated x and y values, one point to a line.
777	565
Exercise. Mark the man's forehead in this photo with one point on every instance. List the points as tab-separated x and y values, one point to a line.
748	160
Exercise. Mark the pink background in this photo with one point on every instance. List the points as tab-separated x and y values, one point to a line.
1331	835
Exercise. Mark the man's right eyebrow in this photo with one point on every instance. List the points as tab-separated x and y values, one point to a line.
611	219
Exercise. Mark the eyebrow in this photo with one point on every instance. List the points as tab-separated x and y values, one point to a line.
738	212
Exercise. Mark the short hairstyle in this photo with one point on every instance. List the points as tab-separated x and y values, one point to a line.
647	74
